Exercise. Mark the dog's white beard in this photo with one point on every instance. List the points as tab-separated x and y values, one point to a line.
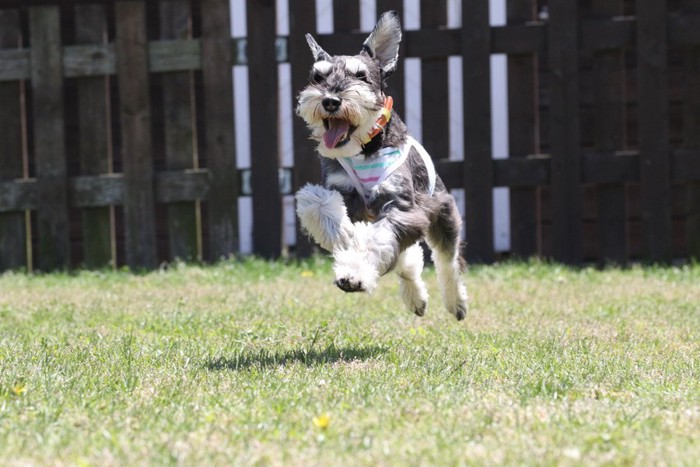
359	108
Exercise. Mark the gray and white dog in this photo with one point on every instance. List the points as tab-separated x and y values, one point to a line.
381	195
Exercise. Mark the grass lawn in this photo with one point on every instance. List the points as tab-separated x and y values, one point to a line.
266	363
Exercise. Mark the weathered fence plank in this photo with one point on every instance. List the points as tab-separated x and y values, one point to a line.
306	166
104	190
609	106
49	137
137	146
595	168
217	79
435	99
262	67
691	133
653	128
478	165
13	253
183	228
523	133
94	142
564	123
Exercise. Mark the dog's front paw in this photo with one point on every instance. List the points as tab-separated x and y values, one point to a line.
349	285
353	272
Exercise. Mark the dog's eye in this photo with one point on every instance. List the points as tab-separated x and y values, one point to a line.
362	76
318	77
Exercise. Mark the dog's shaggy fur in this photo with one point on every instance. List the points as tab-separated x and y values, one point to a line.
370	234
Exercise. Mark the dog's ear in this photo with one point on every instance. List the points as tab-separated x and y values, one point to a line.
319	53
383	43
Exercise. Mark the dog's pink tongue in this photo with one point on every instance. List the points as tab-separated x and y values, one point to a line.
336	130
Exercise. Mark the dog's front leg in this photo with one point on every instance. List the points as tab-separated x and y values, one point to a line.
374	249
371	252
323	215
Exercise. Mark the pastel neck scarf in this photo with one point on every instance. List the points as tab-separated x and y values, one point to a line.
367	173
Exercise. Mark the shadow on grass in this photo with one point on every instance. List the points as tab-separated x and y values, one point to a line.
310	357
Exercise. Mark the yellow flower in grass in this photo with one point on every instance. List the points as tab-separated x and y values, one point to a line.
19	389
322	421
307	274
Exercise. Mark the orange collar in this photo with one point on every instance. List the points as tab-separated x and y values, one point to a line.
381	121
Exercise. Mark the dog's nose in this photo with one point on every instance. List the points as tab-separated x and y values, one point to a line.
331	104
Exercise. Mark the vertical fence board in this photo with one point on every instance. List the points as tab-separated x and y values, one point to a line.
396	82
691	134
655	183
217	76
49	138
567	192
179	131
12	224
609	104
95	121
262	72
302	20
523	131
435	97
346	16
137	146
478	164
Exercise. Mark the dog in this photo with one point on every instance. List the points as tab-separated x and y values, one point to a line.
381	195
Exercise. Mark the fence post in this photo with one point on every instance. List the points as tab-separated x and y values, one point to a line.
478	162
346	16
137	148
302	20
691	134
609	106
12	224
217	77
655	170
523	133
180	146
264	121
49	138
435	98
95	126
564	122
396	82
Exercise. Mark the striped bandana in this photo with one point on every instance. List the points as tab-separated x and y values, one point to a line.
368	173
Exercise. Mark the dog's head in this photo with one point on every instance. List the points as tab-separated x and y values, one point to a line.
344	98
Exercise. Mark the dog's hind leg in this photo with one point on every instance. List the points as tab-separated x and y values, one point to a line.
443	239
411	286
323	215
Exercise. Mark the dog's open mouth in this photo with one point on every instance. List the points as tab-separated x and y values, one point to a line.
337	133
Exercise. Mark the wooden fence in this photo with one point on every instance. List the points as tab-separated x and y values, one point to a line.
116	123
